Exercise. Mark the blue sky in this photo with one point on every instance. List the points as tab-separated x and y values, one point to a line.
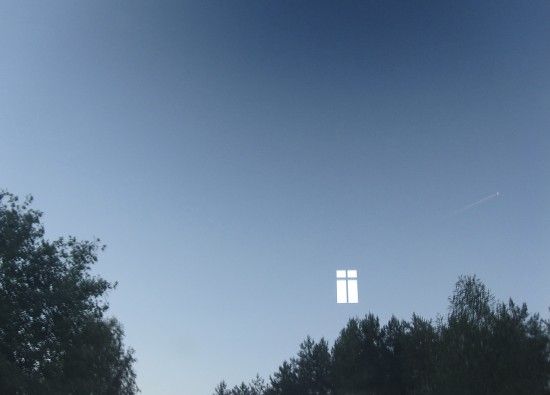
233	155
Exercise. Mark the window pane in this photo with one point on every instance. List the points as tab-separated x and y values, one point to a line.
341	292
353	294
340	274
352	273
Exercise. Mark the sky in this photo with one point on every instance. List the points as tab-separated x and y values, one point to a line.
233	155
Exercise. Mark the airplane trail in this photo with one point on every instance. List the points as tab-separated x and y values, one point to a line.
481	201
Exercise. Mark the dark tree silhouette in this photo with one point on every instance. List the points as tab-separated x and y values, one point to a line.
309	373
221	389
481	347
54	335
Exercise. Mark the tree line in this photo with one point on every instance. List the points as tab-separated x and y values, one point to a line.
479	347
56	337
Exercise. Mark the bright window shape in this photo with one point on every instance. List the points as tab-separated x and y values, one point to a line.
346	286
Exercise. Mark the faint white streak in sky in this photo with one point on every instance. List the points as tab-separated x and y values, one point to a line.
480	201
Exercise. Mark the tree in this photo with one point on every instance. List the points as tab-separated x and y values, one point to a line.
54	335
285	380
221	389
488	348
257	386
358	357
419	356
313	367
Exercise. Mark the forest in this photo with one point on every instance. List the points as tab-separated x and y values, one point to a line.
481	346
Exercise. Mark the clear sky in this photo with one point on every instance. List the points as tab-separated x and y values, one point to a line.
233	155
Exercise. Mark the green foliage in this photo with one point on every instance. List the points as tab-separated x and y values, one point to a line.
54	336
481	347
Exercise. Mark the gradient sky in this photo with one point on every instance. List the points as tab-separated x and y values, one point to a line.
233	155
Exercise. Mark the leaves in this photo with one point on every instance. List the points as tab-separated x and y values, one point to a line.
54	337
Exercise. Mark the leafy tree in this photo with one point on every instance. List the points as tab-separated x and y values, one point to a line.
54	335
487	348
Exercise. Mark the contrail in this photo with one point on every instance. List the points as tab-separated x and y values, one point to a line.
481	201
